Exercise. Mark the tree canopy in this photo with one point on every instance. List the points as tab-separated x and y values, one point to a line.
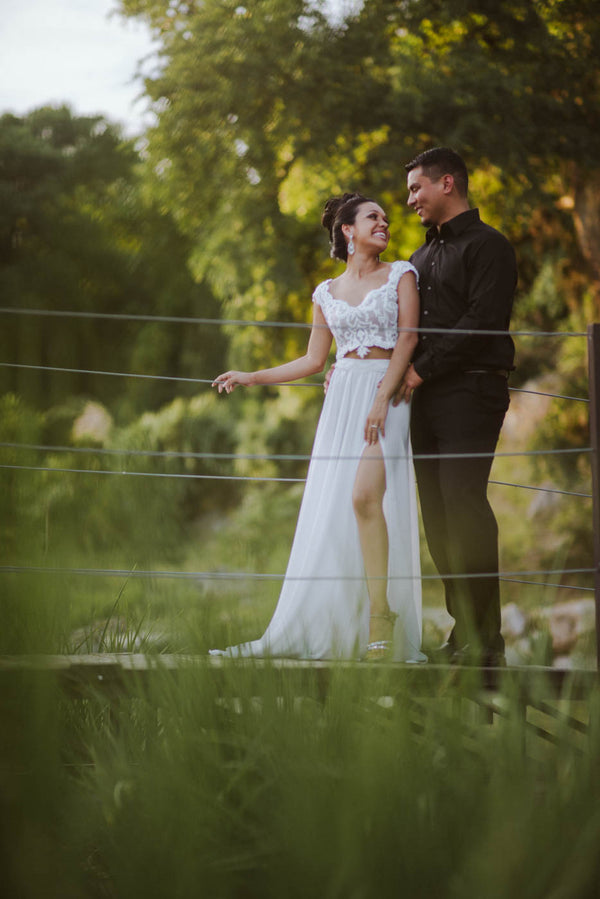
266	108
80	231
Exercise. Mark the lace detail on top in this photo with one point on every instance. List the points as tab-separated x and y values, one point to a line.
374	322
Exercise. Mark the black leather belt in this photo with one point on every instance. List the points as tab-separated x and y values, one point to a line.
487	371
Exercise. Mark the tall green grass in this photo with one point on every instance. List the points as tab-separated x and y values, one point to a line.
218	783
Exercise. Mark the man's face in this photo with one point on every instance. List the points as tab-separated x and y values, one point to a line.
428	198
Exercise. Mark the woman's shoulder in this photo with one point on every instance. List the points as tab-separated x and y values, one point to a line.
400	267
321	291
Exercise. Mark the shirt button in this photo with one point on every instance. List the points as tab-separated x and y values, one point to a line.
441	241
425	312
429	288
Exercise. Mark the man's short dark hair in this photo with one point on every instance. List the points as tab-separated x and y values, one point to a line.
442	161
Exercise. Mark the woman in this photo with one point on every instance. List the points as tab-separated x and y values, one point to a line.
345	595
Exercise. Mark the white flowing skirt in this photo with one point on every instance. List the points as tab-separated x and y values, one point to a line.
323	607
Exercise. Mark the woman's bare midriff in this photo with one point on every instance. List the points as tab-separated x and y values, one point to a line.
374	352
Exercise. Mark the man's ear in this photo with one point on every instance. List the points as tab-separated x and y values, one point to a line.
448	183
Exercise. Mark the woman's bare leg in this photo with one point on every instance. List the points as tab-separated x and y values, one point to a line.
367	499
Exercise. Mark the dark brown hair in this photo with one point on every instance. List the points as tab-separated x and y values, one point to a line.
341	211
442	161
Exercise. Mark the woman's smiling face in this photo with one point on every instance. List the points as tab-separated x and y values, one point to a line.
370	228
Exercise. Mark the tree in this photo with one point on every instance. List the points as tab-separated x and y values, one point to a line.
80	231
247	93
518	84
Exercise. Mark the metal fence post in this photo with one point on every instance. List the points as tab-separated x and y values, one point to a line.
593	340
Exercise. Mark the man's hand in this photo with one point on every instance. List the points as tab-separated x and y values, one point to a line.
410	382
328	379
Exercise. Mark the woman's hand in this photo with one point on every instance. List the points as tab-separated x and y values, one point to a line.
375	423
229	380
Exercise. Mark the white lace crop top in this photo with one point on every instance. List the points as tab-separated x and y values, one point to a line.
374	322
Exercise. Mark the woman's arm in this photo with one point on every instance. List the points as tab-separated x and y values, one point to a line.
408	317
312	362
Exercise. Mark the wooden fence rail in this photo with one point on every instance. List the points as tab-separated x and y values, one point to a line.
547	701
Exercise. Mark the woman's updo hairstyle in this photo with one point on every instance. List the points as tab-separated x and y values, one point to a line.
341	211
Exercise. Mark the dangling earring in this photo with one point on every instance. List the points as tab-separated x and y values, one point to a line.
351	247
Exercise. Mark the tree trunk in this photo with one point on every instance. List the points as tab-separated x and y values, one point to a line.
586	213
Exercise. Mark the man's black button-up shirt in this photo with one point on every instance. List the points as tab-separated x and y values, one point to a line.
467	280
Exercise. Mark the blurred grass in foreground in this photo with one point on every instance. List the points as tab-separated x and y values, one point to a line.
200	787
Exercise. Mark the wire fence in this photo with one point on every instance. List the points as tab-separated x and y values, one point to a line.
177	378
257	323
229	477
271	576
125	454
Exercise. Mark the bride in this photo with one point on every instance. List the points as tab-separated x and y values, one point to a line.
352	587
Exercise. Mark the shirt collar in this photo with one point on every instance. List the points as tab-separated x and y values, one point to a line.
455	226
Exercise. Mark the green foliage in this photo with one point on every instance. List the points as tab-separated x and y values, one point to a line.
18	424
136	507
537	59
80	232
209	784
567	425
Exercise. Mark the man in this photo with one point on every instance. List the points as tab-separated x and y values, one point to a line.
467	279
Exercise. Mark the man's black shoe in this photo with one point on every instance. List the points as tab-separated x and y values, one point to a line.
494	660
482	659
443	655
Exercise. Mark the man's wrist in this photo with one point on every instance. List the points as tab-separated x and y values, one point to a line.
416	370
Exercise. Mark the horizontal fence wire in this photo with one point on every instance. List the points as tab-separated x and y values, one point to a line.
265	478
162	454
152	474
300	457
126	374
558	396
512	580
176	378
269	576
542	489
253	323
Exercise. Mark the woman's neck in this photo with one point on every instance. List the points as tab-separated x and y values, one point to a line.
361	265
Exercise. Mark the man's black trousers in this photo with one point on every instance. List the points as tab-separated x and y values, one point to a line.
460	413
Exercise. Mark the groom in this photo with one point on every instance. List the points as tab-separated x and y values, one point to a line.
467	279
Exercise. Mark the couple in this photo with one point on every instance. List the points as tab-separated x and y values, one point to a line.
352	587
